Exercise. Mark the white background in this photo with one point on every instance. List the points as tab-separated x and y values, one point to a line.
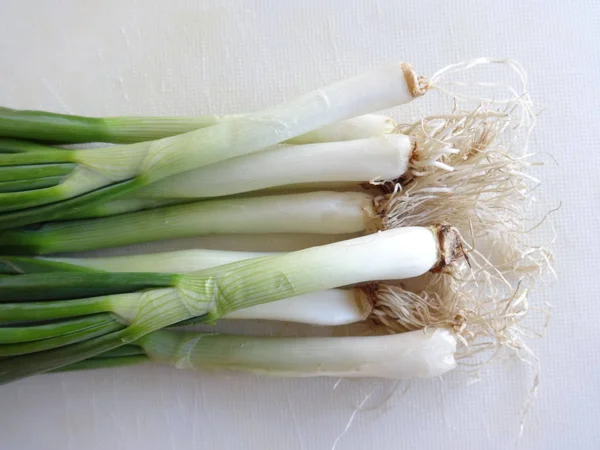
215	56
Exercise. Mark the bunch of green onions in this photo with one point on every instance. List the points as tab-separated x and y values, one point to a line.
66	313
81	178
87	312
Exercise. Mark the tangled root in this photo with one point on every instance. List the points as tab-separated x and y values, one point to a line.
469	170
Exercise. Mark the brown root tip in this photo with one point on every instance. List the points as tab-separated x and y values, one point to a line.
417	85
451	248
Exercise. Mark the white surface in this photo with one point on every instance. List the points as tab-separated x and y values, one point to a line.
219	56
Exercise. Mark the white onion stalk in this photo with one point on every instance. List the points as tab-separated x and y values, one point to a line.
361	127
314	212
332	307
418	354
377	158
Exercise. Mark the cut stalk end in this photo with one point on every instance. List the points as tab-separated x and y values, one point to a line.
450	247
417	84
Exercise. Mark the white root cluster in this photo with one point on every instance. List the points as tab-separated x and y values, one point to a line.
469	170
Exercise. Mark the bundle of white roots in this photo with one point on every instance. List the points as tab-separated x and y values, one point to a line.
469	170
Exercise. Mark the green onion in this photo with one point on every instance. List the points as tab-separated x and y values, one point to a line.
315	212
416	354
71	129
100	174
214	293
331	307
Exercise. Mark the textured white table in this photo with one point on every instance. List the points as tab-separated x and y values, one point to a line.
186	57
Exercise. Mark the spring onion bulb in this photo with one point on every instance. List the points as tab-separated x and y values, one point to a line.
361	127
212	293
331	307
72	129
99	174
